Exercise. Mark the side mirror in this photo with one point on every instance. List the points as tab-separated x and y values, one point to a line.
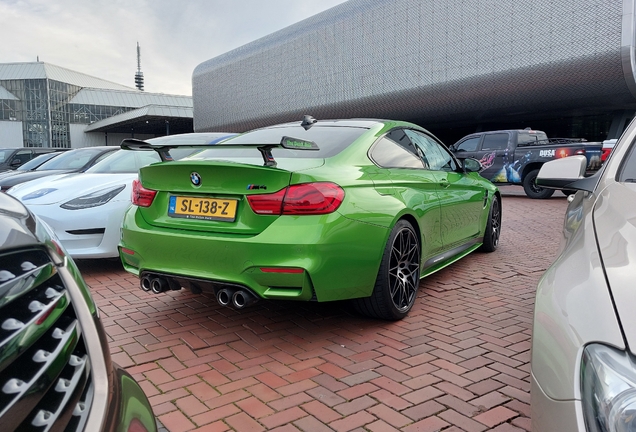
566	173
16	163
471	165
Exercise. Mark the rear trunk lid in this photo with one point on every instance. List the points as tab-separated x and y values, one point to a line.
210	195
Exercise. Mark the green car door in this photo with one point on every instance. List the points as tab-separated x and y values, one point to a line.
461	195
415	187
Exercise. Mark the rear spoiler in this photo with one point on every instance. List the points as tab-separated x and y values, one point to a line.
266	149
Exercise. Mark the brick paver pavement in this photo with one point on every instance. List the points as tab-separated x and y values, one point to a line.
459	361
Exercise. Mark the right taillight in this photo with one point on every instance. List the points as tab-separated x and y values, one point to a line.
301	199
141	196
605	154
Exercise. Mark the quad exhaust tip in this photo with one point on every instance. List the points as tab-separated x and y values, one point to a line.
158	285
224	297
236	298
242	299
145	283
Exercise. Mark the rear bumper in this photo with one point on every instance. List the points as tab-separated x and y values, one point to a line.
339	257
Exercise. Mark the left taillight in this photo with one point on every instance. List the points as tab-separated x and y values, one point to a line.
300	199
141	196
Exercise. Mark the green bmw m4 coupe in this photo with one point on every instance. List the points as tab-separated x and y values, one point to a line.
313	211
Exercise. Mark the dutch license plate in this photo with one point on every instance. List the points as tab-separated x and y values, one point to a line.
202	208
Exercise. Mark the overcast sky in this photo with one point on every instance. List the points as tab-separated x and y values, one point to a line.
99	37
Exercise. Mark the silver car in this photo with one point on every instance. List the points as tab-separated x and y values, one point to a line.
584	336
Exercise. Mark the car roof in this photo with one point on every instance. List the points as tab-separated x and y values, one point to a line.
365	123
95	147
42	149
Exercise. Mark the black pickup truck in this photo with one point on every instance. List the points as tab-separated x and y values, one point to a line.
515	156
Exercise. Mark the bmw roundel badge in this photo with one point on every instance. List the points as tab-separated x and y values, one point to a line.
195	178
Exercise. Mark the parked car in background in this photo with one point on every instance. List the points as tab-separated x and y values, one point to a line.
86	209
77	160
584	337
608	145
515	156
55	368
11	158
310	211
31	165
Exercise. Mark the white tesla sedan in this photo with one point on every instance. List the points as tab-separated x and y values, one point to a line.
86	209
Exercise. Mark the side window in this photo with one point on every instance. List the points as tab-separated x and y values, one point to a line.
498	141
399	137
434	155
22	156
469	145
388	154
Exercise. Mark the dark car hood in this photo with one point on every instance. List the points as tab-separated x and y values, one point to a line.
25	177
615	223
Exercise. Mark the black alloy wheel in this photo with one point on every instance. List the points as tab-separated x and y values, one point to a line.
398	278
404	269
493	227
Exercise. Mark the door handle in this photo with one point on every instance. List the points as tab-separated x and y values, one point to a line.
444	183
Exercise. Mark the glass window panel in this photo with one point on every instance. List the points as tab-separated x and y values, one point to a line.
433	154
498	141
468	145
388	154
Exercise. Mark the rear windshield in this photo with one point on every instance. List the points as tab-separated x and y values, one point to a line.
331	140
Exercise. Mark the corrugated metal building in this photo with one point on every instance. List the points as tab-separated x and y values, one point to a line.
42	105
453	66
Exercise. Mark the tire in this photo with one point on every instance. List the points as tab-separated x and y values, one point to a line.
493	227
398	278
532	190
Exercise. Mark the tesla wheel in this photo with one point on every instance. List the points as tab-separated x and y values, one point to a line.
398	278
493	227
532	190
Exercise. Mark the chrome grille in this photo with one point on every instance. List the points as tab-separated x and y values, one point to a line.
45	371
